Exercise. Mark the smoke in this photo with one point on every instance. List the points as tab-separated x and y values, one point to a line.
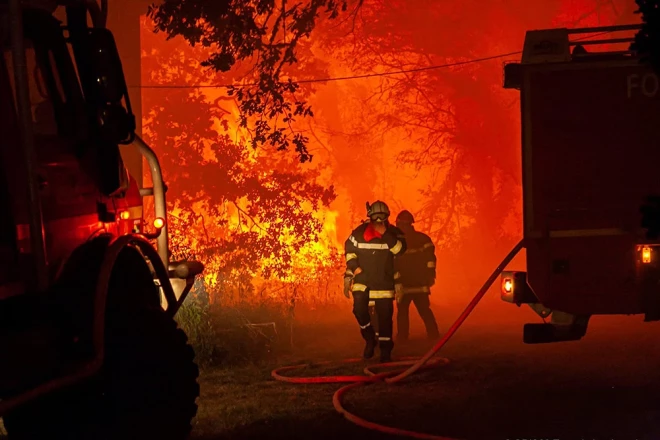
441	142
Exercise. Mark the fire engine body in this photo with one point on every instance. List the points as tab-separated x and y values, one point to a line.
88	344
590	142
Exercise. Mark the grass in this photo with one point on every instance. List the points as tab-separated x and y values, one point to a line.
494	388
233	400
244	401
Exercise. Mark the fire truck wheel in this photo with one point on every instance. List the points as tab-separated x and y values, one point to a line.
147	388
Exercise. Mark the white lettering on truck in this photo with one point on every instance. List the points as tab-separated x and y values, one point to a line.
648	84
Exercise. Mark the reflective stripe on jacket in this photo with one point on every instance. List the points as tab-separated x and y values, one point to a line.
375	259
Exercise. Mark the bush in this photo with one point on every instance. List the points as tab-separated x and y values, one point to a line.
234	333
250	332
233	322
195	319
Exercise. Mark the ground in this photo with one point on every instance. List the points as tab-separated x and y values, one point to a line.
496	387
603	387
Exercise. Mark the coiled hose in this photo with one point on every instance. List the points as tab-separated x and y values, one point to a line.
391	377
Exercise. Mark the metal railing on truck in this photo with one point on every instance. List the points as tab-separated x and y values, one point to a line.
557	46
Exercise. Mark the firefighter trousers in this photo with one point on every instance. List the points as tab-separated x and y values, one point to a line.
384	312
423	306
373	315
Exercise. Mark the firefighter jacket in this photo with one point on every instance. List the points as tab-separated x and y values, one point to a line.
415	271
374	255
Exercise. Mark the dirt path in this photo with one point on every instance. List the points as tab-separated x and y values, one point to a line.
604	387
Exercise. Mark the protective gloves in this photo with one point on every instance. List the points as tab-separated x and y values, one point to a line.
398	293
347	286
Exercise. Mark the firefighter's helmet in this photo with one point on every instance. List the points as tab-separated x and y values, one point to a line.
378	211
405	217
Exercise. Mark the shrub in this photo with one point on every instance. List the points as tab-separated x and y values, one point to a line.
249	332
194	318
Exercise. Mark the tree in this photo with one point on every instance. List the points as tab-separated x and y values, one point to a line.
267	36
245	213
458	121
647	40
647	44
451	118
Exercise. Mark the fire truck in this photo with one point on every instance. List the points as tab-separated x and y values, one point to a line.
590	142
88	343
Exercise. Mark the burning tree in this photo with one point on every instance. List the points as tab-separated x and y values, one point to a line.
246	213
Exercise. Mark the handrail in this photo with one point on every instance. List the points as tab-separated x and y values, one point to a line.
158	191
98	15
27	137
617	28
605	41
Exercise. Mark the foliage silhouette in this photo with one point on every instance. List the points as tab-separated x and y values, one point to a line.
647	40
268	36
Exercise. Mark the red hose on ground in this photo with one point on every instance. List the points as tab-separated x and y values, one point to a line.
391	377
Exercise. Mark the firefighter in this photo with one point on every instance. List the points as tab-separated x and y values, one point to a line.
415	272
370	251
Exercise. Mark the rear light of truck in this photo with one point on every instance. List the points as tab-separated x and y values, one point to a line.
514	288
507	286
646	254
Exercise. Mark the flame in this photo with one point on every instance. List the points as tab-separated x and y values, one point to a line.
314	256
365	163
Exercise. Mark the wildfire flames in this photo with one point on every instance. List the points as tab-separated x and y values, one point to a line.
440	142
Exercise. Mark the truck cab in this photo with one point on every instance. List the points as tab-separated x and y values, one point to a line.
83	277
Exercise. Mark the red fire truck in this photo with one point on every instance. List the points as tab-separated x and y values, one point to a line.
590	139
89	348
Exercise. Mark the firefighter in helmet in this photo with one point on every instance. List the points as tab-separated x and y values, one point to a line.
415	273
370	252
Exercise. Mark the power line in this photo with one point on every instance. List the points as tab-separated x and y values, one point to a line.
350	77
338	78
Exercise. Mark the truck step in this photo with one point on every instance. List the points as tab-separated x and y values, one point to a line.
537	333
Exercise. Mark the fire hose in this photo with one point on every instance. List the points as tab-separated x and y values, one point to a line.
392	377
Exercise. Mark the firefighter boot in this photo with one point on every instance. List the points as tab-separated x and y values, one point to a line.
386	350
370	337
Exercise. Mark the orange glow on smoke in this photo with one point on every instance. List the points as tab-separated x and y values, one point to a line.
361	136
